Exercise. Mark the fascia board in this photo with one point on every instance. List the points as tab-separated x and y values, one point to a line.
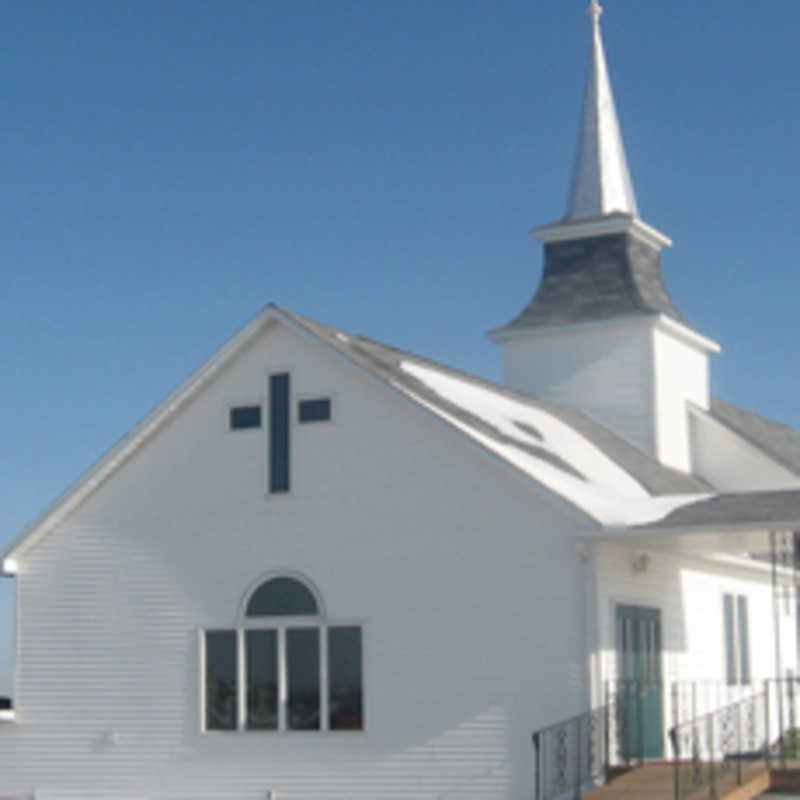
569	230
9	567
687	335
118	454
621	533
751	564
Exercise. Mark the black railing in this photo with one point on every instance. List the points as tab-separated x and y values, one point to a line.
718	731
690	699
715	748
784	702
572	756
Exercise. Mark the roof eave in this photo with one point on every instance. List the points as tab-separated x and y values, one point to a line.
730	526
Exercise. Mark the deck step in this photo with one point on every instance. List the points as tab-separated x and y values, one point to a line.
656	782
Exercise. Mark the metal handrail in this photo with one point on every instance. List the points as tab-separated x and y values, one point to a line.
714	747
571	756
580	753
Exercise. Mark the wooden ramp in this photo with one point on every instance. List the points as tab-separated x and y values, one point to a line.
656	782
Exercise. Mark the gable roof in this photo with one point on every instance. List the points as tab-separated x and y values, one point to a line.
387	363
608	481
778	441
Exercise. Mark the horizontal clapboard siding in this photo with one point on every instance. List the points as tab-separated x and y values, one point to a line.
445	562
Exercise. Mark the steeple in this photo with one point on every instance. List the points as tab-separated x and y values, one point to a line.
601	181
601	333
601	260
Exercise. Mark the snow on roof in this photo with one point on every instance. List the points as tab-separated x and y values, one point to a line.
542	446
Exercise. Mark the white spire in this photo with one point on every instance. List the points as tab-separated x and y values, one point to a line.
601	182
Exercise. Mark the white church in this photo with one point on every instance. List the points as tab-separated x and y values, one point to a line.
325	568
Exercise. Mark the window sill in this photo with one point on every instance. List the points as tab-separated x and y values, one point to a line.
247	733
8	715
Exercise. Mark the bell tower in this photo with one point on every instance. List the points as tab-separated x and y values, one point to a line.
601	333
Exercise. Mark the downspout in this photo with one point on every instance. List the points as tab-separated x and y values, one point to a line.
587	555
773	545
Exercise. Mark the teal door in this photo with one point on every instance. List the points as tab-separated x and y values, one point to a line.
639	689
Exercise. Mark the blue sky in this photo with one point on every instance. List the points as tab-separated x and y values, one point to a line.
169	168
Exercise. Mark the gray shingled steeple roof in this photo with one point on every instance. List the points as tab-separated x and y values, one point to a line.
601	260
597	278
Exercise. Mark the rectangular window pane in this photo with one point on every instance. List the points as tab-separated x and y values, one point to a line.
344	679
318	410
744	641
279	432
262	680
243	417
730	640
302	657
220	680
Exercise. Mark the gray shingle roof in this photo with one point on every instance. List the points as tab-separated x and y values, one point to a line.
777	440
384	361
739	508
597	278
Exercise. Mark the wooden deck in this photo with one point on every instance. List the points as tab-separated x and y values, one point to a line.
656	782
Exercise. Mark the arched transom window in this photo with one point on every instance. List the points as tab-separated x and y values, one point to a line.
284	667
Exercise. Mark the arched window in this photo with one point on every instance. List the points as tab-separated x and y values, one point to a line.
285	666
280	597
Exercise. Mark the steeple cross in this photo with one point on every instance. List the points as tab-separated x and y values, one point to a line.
594	11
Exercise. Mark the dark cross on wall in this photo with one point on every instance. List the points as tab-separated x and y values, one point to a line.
279	425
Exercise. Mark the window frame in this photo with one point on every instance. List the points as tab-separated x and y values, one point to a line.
281	624
737	649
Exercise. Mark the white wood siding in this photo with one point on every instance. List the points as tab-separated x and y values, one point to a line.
603	371
688	592
681	377
468	585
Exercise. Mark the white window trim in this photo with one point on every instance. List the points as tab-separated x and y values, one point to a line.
736	642
281	624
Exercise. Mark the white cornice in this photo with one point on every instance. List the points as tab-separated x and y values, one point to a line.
569	328
566	230
687	335
665	323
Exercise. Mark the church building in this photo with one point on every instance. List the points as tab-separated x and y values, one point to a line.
327	568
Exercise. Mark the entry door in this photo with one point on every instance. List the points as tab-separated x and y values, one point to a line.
639	688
